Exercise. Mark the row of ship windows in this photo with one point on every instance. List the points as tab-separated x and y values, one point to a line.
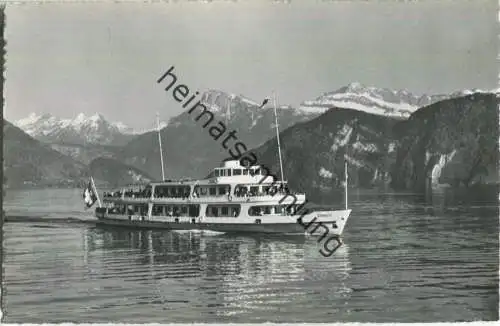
219	190
202	191
230	172
194	210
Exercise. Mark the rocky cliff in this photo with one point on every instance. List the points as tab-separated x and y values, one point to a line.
314	151
452	142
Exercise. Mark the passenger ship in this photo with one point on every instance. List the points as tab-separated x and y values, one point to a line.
233	198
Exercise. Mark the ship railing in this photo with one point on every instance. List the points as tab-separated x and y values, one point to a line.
115	194
230	198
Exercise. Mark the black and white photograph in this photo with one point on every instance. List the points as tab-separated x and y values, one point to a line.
250	161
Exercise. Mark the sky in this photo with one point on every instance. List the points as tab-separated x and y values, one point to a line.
66	59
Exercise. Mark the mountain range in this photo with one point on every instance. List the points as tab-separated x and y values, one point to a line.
96	130
372	127
381	101
81	130
31	163
189	149
453	142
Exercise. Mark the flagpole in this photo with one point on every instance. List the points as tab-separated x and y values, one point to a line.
95	190
278	136
161	150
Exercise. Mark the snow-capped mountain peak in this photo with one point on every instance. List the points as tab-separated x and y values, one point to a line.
82	121
353	87
123	128
219	101
81	129
382	101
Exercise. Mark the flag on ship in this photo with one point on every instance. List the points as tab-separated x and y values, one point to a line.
266	100
89	195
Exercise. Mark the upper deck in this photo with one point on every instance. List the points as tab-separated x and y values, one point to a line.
231	171
230	181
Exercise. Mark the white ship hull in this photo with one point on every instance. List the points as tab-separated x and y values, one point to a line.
233	198
321	223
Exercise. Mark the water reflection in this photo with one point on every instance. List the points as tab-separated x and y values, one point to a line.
231	273
445	200
403	255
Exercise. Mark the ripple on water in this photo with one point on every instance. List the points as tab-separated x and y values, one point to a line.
402	261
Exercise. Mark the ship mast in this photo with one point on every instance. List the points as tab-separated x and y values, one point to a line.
278	136
161	150
228	111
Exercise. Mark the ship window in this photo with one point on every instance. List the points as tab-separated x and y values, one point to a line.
237	172
230	210
254	190
240	190
228	172
278	209
184	209
257	172
157	210
216	172
254	211
194	210
245	172
267	210
213	191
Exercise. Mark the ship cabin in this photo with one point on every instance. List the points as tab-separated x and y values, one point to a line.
196	210
223	190
230	179
232	171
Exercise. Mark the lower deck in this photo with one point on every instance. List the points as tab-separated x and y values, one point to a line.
330	222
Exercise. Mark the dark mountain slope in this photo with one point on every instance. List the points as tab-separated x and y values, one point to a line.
30	162
85	153
313	152
454	142
190	151
112	173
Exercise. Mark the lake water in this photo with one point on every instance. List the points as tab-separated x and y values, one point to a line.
405	259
